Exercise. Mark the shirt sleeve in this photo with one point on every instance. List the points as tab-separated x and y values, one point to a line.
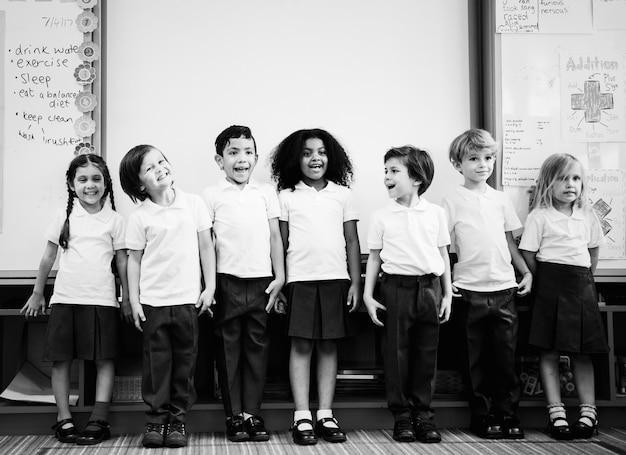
135	232
283	200
54	229
202	214
533	230
119	233
350	213
448	210
375	232
596	235
443	239
271	202
209	203
511	220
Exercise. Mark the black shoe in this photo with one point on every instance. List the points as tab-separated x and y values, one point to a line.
580	430
154	435
65	434
236	430
176	435
330	434
303	437
426	431
101	431
511	428
403	431
486	427
255	427
560	432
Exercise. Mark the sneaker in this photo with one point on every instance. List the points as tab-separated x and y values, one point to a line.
426	431
176	435
154	435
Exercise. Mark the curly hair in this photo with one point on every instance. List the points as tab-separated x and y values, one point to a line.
285	159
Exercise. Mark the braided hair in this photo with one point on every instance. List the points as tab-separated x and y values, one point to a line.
82	161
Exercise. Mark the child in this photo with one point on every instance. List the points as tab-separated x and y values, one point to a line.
169	242
249	247
560	244
84	320
318	227
481	220
408	239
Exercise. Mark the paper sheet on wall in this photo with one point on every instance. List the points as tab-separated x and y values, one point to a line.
609	14
517	16
606	194
527	141
31	385
565	16
592	97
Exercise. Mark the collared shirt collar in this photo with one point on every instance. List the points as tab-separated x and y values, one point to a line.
468	195
420	206
577	214
330	187
103	215
153	208
224	184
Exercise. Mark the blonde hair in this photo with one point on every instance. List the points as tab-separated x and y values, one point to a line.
471	141
554	168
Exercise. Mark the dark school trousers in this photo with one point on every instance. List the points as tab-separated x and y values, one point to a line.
491	326
170	349
409	343
243	341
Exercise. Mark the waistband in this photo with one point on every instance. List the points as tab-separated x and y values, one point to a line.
563	268
405	280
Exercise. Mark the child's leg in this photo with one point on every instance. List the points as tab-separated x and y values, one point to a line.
60	379
326	372
97	428
585	383
549	373
300	373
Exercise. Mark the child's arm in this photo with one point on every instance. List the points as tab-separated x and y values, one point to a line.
121	261
207	261
531	260
594	253
524	286
37	302
446	287
371	276
134	272
278	265
353	250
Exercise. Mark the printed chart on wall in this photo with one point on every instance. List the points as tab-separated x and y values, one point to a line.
47	104
563	90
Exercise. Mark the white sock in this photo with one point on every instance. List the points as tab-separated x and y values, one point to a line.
300	415
246	416
326	413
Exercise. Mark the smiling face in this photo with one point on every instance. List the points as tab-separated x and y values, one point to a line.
155	173
476	167
238	160
567	187
400	185
88	184
313	161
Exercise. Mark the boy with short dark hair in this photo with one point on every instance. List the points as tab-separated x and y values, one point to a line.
408	239
250	275
481	221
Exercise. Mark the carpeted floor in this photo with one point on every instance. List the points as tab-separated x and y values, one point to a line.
455	442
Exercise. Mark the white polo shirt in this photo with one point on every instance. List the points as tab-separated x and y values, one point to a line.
478	224
562	239
85	276
240	223
317	246
170	265
409	238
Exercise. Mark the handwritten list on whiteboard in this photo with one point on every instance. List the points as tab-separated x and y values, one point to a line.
526	143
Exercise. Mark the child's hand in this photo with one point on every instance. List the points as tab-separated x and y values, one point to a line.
455	291
353	298
138	316
205	301
36	303
524	286
273	290
373	307
280	305
445	309
126	310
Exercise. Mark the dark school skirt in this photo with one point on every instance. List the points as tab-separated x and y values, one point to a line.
317	310
86	332
565	315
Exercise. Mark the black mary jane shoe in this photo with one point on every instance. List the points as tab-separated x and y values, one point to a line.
580	430
303	437
560	432
255	427
330	434
236	429
101	431
65	434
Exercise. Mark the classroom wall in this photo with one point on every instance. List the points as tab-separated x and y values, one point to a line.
375	74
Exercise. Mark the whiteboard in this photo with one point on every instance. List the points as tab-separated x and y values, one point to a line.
375	74
530	85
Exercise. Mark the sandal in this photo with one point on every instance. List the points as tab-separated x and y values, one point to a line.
556	413
65	434
587	422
